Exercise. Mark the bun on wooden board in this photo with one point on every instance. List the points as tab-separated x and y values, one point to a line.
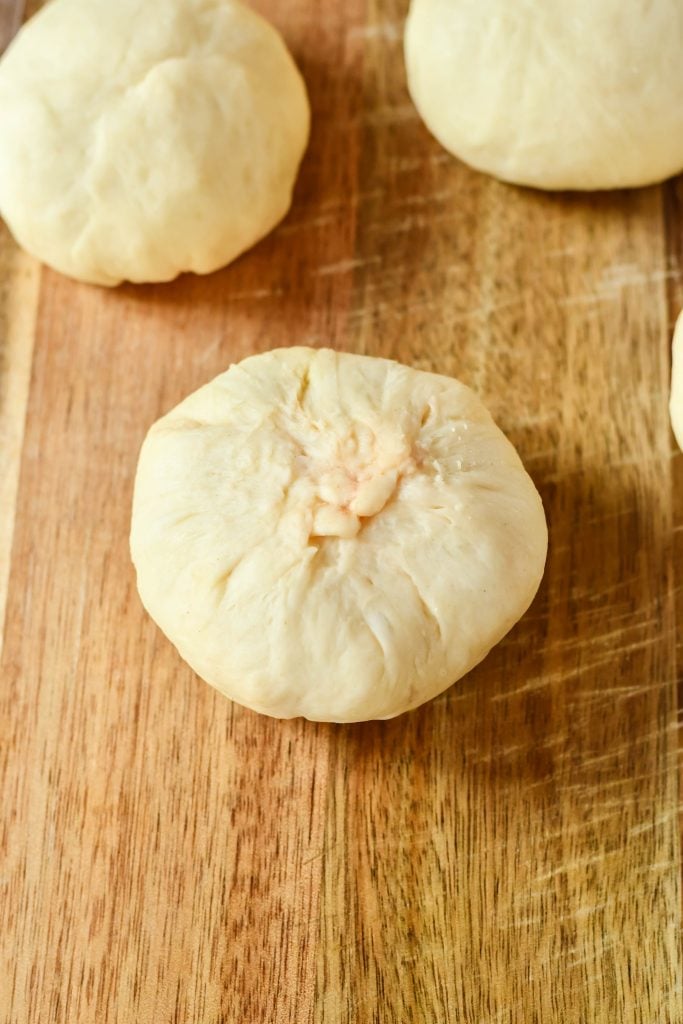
334	536
580	95
143	138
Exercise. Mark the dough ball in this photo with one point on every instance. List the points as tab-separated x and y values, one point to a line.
333	536
143	138
586	94
676	404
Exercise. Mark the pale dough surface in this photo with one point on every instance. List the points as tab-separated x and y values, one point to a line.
143	138
585	94
334	536
676	404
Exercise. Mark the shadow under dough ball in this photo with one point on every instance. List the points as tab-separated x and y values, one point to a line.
143	138
586	94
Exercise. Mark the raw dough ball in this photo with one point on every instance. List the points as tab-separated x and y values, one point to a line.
143	138
586	94
334	536
676	404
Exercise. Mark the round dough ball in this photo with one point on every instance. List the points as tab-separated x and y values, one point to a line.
676	404
143	138
586	94
333	536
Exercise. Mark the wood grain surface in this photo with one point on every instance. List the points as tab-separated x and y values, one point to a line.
508	854
11	15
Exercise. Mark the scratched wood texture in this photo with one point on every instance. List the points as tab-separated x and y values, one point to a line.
509	853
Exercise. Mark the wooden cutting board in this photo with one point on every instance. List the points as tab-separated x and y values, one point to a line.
507	854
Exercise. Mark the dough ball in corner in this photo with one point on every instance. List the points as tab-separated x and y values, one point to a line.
143	138
586	94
